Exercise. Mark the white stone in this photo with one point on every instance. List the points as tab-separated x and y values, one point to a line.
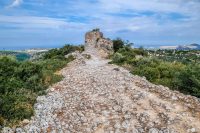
153	130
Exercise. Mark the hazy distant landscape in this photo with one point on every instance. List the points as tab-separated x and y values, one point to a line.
21	56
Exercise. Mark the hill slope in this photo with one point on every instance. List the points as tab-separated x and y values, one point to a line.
95	96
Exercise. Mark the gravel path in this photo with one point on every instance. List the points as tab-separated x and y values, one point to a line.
97	97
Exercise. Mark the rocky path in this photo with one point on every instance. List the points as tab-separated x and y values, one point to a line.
97	97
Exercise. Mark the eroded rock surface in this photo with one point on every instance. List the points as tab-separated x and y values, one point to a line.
97	97
95	39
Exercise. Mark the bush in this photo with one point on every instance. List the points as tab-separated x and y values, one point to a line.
22	82
175	74
118	58
60	53
1	121
96	30
190	80
117	44
140	51
149	72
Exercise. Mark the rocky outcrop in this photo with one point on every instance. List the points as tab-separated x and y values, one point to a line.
92	37
95	39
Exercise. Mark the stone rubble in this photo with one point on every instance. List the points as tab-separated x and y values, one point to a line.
97	97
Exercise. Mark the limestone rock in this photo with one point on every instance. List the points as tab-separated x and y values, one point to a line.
153	130
92	37
95	39
25	121
7	130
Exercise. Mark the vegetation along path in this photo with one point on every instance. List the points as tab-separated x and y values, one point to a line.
97	97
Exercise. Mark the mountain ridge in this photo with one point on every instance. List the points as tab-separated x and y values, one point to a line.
193	46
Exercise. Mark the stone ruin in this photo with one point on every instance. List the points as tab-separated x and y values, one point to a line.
95	39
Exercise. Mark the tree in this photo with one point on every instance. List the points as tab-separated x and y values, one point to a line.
117	44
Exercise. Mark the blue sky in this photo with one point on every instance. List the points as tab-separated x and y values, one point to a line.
52	23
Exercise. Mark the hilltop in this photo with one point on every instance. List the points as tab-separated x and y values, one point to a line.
98	97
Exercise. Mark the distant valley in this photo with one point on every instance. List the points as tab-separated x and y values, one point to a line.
22	55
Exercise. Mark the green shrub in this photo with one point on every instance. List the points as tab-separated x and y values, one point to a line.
175	73
149	72
22	82
1	121
118	58
60	53
140	51
96	30
190	80
117	44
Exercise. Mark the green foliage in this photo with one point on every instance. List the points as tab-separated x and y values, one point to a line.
96	30
140	51
22	82
190	80
175	75
159	72
117	44
149	72
1	121
168	69
118	58
60	53
126	55
16	106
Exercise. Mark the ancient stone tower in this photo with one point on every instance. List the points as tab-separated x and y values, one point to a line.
95	39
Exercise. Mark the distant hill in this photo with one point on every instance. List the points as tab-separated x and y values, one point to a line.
189	47
193	46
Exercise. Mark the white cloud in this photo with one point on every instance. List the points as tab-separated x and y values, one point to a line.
180	6
105	14
101	14
158	25
30	22
15	3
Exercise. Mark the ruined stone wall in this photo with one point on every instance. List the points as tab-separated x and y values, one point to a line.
95	39
106	44
92	37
